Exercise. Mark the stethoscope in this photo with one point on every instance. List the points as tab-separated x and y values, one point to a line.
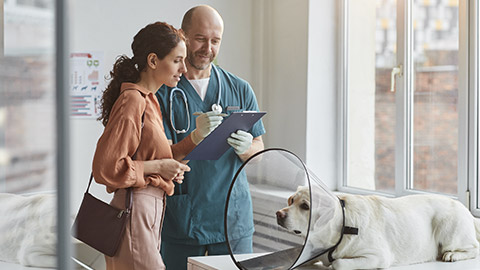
215	107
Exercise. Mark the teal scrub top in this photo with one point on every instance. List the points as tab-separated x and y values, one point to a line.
195	213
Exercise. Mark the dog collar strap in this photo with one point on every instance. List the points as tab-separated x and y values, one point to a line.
350	230
345	230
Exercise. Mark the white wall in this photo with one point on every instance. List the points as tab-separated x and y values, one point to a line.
361	94
284	74
109	26
286	48
323	140
296	68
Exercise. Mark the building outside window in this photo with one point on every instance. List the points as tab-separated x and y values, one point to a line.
401	99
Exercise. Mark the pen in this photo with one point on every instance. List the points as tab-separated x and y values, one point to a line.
221	114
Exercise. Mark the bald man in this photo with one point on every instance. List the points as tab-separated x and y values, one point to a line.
194	218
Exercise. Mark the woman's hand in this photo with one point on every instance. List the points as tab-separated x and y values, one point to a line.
168	169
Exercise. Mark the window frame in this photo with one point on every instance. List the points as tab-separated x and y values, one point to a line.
473	107
2	26
467	133
62	104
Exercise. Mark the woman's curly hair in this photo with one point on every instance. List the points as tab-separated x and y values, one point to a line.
159	38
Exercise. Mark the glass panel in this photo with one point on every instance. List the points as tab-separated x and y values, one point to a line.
284	205
27	135
435	130
372	38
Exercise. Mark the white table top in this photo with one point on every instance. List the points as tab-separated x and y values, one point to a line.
224	262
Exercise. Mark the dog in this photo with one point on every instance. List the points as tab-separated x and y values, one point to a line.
391	231
28	229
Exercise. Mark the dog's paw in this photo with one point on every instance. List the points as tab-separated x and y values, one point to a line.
452	256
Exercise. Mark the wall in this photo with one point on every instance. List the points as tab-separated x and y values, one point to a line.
361	94
285	48
295	66
109	26
282	37
322	126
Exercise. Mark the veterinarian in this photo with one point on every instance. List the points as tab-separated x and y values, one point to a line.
129	103
194	216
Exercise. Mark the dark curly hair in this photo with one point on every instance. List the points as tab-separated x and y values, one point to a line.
159	38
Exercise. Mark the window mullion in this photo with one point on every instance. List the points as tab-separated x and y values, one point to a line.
469	69
404	101
2	33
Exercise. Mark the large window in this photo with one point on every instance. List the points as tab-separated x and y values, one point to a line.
27	98
30	132
402	96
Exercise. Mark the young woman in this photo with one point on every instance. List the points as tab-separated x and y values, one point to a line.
133	150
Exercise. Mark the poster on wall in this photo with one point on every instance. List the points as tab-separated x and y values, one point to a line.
86	84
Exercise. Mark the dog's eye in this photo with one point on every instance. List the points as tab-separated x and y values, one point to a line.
305	206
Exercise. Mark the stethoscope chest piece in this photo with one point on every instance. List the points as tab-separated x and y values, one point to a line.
217	108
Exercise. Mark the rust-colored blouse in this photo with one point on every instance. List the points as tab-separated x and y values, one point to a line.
113	165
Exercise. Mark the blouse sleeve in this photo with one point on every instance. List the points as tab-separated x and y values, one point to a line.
112	162
182	148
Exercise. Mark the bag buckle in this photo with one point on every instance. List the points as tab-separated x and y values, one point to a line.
121	213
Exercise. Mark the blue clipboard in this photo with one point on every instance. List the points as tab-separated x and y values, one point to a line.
215	144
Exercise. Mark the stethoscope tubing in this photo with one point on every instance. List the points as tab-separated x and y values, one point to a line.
215	107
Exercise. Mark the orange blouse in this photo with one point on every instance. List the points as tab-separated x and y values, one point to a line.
113	165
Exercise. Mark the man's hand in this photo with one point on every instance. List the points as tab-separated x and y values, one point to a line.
240	141
206	123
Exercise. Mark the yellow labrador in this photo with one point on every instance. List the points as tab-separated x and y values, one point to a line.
392	231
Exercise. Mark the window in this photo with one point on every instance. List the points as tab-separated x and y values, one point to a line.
30	131
27	99
402	96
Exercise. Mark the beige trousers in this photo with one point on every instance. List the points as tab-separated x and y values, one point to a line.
140	246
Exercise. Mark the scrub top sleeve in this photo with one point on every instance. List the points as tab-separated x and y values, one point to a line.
251	105
112	162
249	98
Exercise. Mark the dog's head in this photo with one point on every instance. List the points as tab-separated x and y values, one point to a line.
296	216
324	209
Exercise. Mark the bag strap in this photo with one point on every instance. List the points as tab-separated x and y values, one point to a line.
129	195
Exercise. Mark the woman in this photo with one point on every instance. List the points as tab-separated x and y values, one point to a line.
133	150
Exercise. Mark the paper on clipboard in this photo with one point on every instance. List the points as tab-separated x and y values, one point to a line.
215	144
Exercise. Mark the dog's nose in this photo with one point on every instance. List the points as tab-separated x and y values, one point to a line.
281	217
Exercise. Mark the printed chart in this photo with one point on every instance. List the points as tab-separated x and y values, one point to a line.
87	84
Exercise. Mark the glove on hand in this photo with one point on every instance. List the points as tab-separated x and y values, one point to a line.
206	123
240	141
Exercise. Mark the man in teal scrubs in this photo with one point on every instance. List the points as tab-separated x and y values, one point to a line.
194	218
